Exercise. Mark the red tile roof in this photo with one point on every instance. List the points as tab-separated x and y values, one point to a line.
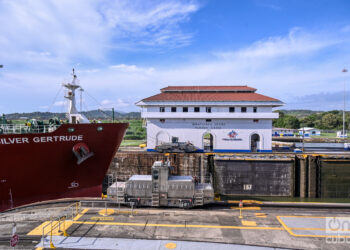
208	88
210	97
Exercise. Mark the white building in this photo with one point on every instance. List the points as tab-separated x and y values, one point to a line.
213	118
309	131
283	132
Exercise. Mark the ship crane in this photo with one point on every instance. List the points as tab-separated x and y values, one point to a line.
73	115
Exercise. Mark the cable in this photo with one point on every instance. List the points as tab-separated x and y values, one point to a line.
55	99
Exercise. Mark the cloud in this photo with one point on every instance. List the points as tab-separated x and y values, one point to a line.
131	68
44	39
324	101
297	42
57	33
59	103
118	104
150	23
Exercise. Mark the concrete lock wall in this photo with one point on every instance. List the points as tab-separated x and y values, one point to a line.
254	177
288	175
334	178
124	165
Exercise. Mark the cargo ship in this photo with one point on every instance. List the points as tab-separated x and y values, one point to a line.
42	162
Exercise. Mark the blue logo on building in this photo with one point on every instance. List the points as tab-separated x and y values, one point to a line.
233	134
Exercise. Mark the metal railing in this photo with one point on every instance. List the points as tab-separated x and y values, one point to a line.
59	222
25	129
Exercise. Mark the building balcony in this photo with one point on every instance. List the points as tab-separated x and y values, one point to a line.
204	115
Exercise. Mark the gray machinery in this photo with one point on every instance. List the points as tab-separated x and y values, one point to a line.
176	147
162	189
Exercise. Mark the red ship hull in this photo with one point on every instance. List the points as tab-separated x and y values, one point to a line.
38	167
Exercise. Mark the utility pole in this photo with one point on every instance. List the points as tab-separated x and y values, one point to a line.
344	71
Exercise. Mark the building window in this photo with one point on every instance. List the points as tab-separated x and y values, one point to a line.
208	109
232	109
243	109
196	109
174	139
161	109
255	109
162	120
208	120
185	109
173	109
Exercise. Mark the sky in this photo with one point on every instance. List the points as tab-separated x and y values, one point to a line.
124	51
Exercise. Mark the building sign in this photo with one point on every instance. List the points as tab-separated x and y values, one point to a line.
208	125
232	136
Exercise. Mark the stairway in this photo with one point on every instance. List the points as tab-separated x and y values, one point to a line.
155	199
198	197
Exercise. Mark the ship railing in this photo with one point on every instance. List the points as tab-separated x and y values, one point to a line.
57	225
25	129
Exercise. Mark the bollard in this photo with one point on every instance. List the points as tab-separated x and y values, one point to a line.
105	209
132	208
240	209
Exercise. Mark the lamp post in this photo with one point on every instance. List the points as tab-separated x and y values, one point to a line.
344	71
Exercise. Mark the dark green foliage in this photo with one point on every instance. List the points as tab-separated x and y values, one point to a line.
331	120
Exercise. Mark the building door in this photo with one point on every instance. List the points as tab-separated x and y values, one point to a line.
208	142
254	142
162	137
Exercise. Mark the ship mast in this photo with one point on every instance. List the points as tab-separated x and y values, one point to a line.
73	115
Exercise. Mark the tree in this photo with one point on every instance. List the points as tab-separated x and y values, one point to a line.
329	121
291	122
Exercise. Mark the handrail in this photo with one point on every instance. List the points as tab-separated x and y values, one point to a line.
61	218
25	129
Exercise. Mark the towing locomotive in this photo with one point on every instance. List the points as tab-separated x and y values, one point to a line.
162	189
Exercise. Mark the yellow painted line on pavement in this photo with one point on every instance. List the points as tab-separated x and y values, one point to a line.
80	214
57	227
101	218
318	229
105	212
39	248
174	225
245	202
248	223
247	208
289	229
260	215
